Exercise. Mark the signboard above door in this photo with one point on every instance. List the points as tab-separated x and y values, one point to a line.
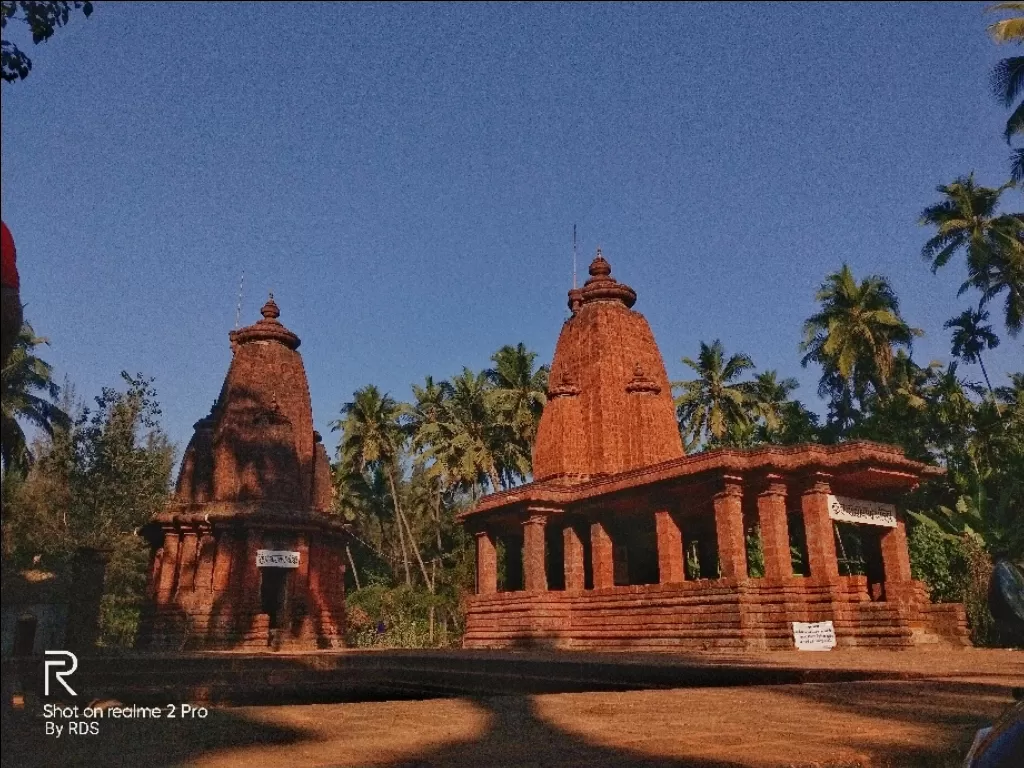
848	510
277	558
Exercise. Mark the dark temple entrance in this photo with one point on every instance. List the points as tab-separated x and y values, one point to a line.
274	595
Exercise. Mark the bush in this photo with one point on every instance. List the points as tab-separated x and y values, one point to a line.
401	617
956	569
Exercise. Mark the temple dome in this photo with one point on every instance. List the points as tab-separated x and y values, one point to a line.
609	402
258	443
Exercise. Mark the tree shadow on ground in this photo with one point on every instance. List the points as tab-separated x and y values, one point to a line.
519	730
517	735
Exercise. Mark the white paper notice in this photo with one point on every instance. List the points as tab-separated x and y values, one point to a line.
814	635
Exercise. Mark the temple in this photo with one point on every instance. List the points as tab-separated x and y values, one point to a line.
245	555
624	541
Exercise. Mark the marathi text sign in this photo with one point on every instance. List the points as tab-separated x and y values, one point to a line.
860	511
814	635
275	558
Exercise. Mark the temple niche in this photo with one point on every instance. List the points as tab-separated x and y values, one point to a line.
624	541
245	554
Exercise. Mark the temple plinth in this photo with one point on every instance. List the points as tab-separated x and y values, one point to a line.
624	542
245	554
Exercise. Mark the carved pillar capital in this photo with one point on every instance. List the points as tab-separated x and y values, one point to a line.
816	482
771	484
729	486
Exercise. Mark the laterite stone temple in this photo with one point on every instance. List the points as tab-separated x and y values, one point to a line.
624	541
245	555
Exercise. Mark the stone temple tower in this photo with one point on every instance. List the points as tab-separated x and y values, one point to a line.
245	554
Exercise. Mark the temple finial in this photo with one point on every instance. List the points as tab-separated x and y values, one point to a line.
270	309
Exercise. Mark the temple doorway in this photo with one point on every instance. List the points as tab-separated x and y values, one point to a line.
274	595
859	553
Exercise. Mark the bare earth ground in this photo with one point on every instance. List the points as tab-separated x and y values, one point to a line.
906	722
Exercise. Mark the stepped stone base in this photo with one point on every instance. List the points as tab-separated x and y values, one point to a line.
713	615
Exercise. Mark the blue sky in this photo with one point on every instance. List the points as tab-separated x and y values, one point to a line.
405	179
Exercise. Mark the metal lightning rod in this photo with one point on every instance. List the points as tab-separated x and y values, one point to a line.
238	309
574	257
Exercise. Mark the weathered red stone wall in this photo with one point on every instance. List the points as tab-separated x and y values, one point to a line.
722	615
208	594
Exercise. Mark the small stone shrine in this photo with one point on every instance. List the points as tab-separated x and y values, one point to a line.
245	555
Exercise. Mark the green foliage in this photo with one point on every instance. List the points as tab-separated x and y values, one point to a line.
755	553
1008	80
854	337
713	406
28	394
968	222
93	484
402	617
957	569
42	20
121	605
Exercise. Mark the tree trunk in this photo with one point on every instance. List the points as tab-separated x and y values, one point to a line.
398	522
984	373
355	572
412	542
492	474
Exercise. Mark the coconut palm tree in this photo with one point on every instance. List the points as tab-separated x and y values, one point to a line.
372	437
855	334
971	337
28	395
519	390
471	442
1008	79
768	397
967	220
714	404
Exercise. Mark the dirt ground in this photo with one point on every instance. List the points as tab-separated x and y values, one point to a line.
900	723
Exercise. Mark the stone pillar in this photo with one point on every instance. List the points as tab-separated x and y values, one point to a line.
573	559
535	577
821	541
671	568
486	564
601	556
771	517
895	554
204	566
168	567
251	572
187	570
222	563
732	546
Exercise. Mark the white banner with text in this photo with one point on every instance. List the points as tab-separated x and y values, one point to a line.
276	558
848	510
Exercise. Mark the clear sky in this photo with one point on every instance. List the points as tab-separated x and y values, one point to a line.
405	179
